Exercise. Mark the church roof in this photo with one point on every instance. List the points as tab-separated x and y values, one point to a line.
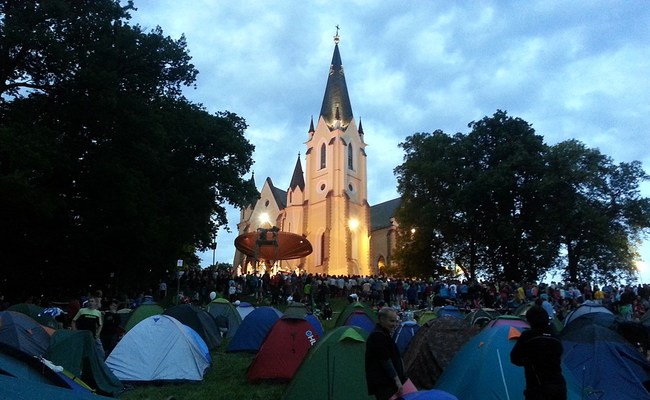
279	195
298	179
380	214
336	102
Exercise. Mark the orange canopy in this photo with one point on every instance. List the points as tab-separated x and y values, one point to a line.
273	245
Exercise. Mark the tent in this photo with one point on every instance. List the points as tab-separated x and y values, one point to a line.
253	330
20	332
141	312
315	322
432	394
226	316
333	369
39	370
351	308
22	389
482	369
586	308
433	347
451	311
481	316
404	333
36	313
75	351
508	320
160	348
605	363
361	319
523	309
426	316
244	308
282	351
199	320
299	310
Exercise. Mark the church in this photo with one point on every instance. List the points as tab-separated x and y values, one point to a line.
327	201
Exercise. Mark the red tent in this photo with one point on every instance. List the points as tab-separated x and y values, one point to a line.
284	348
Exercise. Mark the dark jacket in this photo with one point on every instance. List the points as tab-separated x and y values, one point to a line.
540	354
383	362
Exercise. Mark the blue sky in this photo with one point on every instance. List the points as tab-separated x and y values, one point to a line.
574	70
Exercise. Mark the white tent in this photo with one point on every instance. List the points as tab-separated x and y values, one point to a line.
244	308
160	348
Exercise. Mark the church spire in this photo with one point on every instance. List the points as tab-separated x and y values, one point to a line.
336	109
311	126
297	180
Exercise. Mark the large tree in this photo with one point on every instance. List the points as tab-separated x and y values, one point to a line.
108	174
499	202
597	211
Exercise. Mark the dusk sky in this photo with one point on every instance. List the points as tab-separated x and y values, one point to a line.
573	69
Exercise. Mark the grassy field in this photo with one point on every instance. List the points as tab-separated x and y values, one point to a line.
226	379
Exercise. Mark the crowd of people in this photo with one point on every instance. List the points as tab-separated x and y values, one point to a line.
631	302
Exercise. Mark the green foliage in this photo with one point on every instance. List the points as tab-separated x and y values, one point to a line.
500	202
104	165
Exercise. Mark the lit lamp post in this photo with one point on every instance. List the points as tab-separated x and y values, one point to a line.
214	248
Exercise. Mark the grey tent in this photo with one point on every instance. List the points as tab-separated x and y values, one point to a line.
433	347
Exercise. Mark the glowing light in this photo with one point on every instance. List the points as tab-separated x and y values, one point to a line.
265	221
353	224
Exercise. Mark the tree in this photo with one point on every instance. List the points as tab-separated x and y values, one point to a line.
106	169
499	202
598	212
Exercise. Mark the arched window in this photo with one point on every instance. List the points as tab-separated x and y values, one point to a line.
350	157
323	156
381	264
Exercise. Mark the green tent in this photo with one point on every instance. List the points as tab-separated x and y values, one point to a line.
426	316
75	351
142	312
333	369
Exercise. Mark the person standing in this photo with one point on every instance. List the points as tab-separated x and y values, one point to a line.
539	351
383	362
162	290
89	318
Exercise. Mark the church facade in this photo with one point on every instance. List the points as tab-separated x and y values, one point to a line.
327	202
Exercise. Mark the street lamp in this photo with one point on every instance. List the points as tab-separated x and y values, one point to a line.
214	248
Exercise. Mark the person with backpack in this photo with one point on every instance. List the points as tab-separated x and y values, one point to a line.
539	351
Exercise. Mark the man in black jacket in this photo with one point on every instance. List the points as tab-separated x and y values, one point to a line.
384	368
540	352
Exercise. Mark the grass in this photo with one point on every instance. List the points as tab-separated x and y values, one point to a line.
225	380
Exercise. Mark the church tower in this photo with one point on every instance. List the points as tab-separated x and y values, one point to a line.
336	216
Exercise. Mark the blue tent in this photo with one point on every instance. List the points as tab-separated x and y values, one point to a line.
604	362
404	333
360	319
482	369
451	311
20	365
432	394
22	389
253	329
315	322
20	332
